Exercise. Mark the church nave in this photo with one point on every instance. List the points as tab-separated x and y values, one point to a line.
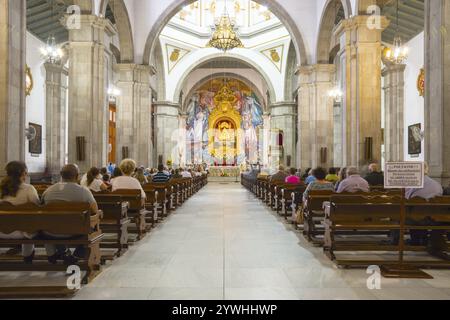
225	244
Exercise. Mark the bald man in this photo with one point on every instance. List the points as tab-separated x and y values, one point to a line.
67	191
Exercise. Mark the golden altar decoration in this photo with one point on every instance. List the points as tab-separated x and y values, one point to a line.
224	124
421	82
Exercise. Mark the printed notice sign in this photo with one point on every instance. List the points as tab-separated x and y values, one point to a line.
404	175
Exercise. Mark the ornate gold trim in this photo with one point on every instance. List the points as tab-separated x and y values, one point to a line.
270	51
29	82
421	82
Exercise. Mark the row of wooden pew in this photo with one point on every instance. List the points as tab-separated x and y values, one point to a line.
359	229
122	220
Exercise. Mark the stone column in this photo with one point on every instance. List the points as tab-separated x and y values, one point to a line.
167	123
56	91
181	148
265	161
12	80
134	115
284	117
394	96
316	121
437	88
362	94
88	104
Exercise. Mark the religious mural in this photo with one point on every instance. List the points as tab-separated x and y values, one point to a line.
223	124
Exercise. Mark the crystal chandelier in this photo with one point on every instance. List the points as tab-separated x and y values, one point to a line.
398	54
224	37
51	52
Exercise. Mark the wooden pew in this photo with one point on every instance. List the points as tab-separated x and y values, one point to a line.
163	198
375	215
314	214
290	194
70	219
115	221
136	211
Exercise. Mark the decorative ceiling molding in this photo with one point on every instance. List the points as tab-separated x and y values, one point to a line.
174	55
275	55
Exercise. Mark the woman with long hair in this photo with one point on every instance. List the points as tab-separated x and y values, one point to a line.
15	191
93	181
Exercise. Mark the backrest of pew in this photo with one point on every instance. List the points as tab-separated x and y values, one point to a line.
360	209
438	209
133	197
316	198
59	218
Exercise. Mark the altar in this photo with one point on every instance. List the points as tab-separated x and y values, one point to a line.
224	174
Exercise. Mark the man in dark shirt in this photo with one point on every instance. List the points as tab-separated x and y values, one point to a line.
375	177
160	177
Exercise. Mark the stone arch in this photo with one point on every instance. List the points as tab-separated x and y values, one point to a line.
160	74
290	74
209	58
123	27
326	27
274	6
224	75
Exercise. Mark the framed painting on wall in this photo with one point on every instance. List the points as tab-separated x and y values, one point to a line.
415	139
35	145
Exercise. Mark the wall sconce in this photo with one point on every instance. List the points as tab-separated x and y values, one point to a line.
336	94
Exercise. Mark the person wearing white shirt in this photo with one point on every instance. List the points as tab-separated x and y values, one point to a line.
15	191
126	181
186	174
93	182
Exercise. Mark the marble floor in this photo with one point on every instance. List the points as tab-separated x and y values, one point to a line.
224	244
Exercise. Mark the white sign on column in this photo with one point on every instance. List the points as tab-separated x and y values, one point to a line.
400	175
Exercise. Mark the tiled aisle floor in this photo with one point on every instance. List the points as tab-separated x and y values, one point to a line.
225	244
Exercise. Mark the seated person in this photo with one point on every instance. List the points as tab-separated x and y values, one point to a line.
107	180
94	182
310	178
67	191
177	174
375	177
15	191
319	183
186	174
354	183
161	176
139	175
116	173
293	178
332	176
280	176
431	189
342	176
126	181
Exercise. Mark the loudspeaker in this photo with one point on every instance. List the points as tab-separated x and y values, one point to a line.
323	155
81	148
125	153
160	160
288	161
368	149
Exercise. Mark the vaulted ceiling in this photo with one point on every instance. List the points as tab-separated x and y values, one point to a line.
43	18
411	19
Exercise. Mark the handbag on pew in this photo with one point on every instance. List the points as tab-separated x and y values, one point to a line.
299	216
